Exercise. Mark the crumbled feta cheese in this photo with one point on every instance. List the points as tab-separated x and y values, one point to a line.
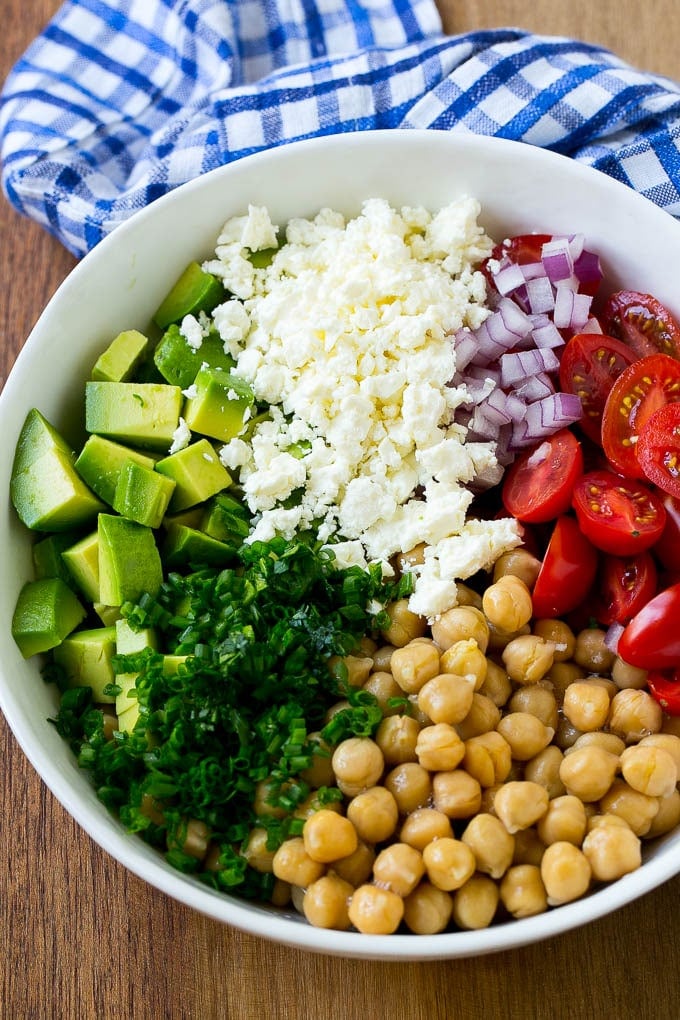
232	323
181	437
192	331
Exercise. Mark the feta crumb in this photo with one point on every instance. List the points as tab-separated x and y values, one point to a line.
192	331
181	437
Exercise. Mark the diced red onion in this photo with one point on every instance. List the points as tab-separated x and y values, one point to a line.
482	372
532	270
536	387
508	278
478	389
495	408
592	326
612	636
572	310
576	245
516	366
556	259
540	295
465	348
516	407
548	336
514	319
555	411
587	267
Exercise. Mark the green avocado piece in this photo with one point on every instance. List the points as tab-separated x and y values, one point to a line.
142	494
141	414
86	658
129	562
186	547
122	357
221	405
82	563
99	463
129	641
49	495
197	473
47	561
109	615
127	696
178	362
263	258
36	438
127	720
46	612
226	519
195	291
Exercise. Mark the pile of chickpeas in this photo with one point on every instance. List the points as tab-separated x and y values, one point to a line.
524	765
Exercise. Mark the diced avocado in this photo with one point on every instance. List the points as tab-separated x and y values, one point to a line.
191	518
129	641
221	405
99	463
47	561
86	658
49	495
185	547
122	357
107	614
226	520
195	291
142	494
142	414
197	473
36	438
178	362
127	697
46	612
82	563
129	562
172	663
127	720
263	258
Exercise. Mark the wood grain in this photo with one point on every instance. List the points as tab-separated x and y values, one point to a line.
80	939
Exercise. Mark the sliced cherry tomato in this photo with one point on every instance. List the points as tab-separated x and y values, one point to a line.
640	390
626	584
658	448
643	323
652	638
567	571
538	486
665	688
667	548
590	364
618	515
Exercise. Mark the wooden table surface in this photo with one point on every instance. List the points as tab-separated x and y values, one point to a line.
80	938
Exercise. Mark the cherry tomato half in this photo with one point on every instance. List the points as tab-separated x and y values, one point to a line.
625	585
652	638
538	486
590	364
567	571
640	390
665	688
658	448
643	323
667	547
618	515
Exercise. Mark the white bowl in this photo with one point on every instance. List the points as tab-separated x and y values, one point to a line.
120	284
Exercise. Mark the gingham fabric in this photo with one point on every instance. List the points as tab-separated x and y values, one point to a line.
119	101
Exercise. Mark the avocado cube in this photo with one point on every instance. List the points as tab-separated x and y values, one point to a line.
197	472
49	495
127	720
191	517
107	614
82	563
226	519
221	405
127	696
195	291
142	494
86	658
129	641
141	414
36	438
172	663
129	562
99	463
122	357
46	612
47	561
186	547
178	362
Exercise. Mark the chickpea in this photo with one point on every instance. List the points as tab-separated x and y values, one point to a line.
439	747
357	867
507	603
325	903
560	635
483	716
264	792
475	903
544	769
599	738
374	814
466	596
396	737
649	770
668	741
383	687
612	851
404	625
670	724
566	873
339	706
522	891
496	684
517	563
320	772
293	864
538	700
566	734
625	675
449	863
427	910
313	803
423	826
634	714
406	561
465	658
589	772
528	658
351	669
560	675
637	809
399	867
500	639
525	733
281	893
520	804
191	836
488	758
328	836
564	821
375	911
491	843
256	852
414	664
459	624
358	763
456	794
529	848
382	658
591	651
667	817
447	698
586	705
410	785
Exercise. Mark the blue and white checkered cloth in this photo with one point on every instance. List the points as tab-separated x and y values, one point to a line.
119	101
